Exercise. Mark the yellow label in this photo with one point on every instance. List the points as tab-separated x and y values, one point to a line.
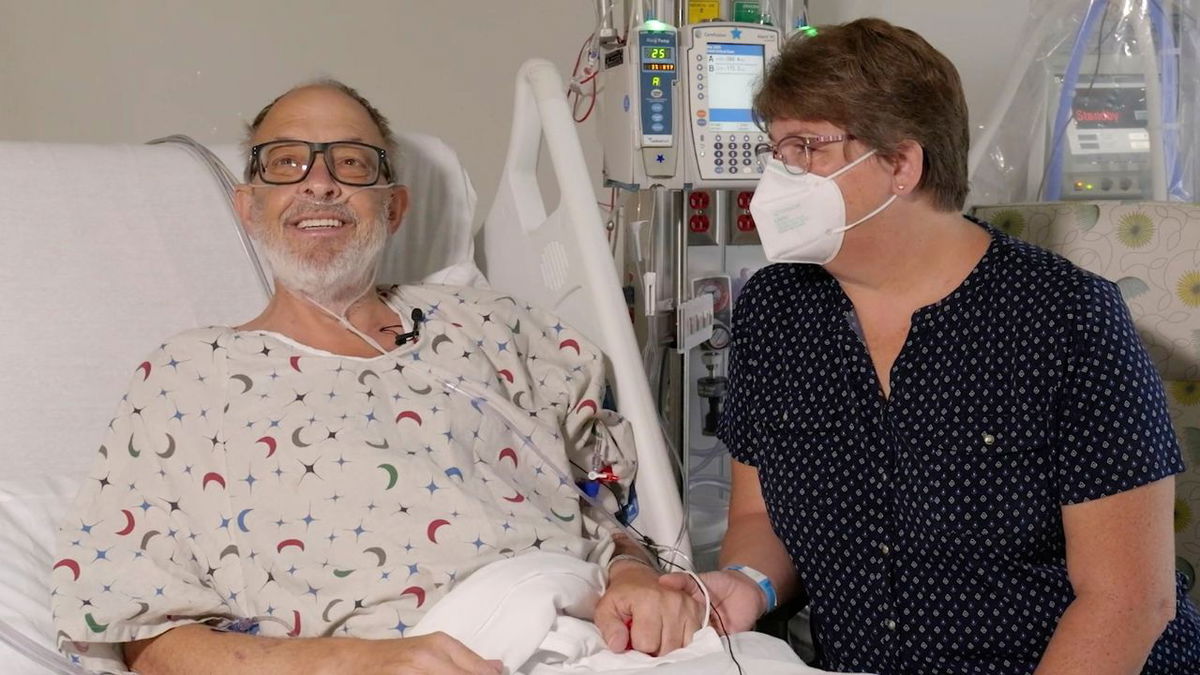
704	10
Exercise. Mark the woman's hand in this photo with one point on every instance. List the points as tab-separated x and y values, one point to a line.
738	601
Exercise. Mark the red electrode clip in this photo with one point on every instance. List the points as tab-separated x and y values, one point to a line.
604	475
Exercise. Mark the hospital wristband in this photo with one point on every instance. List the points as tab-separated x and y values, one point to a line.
763	581
624	556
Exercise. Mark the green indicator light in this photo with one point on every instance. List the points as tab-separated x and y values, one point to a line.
657	26
809	31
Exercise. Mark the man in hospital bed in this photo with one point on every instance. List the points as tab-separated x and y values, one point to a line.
334	467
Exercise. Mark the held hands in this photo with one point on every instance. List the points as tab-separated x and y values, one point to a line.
433	654
738	600
639	612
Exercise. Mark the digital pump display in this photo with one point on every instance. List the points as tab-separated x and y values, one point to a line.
733	70
658	59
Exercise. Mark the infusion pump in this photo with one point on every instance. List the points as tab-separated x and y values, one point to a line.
676	105
639	109
722	64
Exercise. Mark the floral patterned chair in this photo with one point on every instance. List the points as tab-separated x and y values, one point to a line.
1152	251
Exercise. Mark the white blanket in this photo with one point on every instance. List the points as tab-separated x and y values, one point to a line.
533	612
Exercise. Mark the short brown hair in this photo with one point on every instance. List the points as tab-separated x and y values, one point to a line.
883	84
381	122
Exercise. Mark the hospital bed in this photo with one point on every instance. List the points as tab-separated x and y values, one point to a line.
111	248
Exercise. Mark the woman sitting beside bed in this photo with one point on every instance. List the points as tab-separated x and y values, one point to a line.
953	441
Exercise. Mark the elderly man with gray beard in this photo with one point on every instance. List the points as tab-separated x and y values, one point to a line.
294	493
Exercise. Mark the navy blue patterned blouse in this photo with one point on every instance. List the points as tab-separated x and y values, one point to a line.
927	527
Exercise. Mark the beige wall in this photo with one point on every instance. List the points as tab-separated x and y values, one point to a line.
131	70
979	36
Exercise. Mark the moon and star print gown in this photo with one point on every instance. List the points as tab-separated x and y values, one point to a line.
252	481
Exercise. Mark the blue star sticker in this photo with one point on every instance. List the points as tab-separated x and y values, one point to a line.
736	33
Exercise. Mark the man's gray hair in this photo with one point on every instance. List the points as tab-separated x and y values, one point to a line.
381	122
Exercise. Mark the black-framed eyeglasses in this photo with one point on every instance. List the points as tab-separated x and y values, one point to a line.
795	152
288	161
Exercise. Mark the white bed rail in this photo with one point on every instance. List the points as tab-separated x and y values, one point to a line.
561	262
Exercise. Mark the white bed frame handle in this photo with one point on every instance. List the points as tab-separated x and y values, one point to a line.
568	270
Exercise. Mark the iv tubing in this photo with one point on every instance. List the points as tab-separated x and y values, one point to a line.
1160	13
1053	172
1154	105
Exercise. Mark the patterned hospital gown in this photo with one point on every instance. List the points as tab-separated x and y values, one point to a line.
248	477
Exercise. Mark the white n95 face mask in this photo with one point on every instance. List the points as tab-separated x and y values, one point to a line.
802	218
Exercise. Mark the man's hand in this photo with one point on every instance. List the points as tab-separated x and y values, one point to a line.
636	610
433	654
197	648
738	600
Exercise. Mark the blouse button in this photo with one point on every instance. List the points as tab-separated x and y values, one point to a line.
988	439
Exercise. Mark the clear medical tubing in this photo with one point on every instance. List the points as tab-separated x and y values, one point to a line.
1155	91
1154	104
1051	179
227	181
1156	40
1168	68
525	429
